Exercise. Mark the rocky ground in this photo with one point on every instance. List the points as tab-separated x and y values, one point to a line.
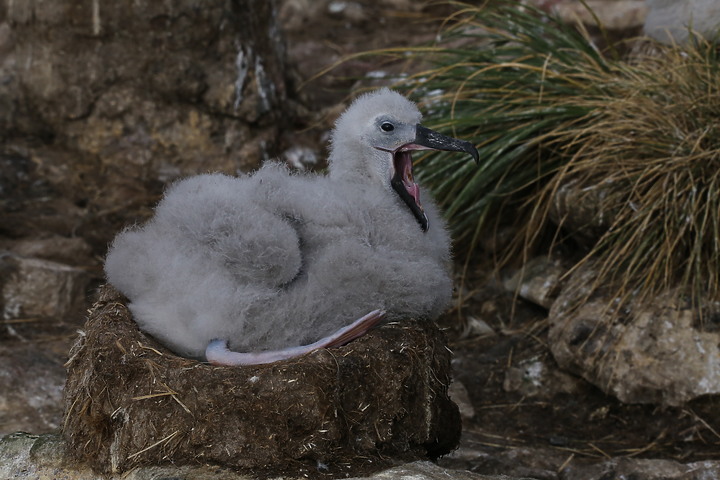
522	415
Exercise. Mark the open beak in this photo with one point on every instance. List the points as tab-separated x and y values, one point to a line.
403	181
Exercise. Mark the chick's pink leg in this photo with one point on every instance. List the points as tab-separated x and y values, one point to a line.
217	351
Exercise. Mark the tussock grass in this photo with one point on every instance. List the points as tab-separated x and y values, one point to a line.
546	109
656	140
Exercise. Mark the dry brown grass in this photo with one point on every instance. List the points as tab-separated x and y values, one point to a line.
653	152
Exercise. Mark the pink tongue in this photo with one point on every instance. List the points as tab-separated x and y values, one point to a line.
413	190
405	166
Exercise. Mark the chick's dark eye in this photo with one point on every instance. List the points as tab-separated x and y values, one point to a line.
387	127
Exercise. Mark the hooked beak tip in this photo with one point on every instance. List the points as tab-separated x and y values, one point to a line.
475	154
437	141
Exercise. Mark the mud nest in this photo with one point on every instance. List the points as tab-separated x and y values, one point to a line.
130	402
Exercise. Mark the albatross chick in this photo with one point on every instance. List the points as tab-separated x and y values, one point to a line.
259	268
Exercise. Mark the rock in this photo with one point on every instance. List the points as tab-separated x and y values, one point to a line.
43	456
33	456
642	469
661	350
32	287
559	464
350	11
461	397
614	15
429	471
131	402
535	378
585	211
519	461
671	21
41	191
31	382
477	327
24	455
302	14
537	281
68	250
227	56
101	104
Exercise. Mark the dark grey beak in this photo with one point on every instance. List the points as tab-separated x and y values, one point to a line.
403	182
437	141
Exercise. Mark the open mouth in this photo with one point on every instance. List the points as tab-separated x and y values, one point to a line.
402	180
404	184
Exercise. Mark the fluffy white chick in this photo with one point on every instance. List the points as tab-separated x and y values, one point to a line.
265	267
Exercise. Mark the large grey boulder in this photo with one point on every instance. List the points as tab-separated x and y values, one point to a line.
673	21
662	350
37	288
